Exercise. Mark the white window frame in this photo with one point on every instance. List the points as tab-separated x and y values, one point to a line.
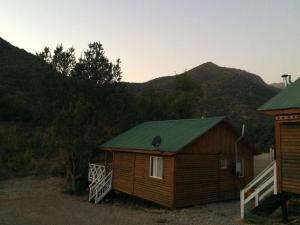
223	164
153	169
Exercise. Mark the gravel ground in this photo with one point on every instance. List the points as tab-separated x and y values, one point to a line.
33	201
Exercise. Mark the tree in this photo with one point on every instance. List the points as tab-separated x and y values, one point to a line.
86	104
75	134
95	66
62	61
45	55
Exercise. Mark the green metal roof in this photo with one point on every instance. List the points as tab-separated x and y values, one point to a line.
175	134
288	98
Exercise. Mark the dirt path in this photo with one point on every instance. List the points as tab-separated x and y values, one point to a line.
32	201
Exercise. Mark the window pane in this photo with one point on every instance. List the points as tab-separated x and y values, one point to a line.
156	166
223	164
151	166
240	168
159	167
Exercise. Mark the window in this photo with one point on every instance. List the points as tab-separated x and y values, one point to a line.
156	167
223	164
239	168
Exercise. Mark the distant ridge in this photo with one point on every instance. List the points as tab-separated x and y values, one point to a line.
22	77
19	68
5	44
209	89
221	91
278	85
202	73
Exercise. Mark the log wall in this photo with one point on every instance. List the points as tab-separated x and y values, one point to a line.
198	176
131	176
191	176
289	157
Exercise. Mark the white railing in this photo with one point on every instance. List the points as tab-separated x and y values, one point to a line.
103	189
96	172
263	185
100	177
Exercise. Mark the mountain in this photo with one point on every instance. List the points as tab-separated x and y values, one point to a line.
234	86
18	68
36	102
28	90
220	91
38	105
205	73
278	85
24	82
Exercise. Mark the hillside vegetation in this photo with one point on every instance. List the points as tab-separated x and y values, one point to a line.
55	110
51	122
211	90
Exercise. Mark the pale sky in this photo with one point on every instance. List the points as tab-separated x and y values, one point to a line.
160	37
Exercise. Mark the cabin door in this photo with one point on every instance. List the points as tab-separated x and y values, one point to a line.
290	157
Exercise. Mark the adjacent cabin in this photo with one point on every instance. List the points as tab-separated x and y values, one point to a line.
281	179
285	107
192	163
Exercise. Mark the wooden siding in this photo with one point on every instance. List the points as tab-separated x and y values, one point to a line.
196	179
131	176
192	176
123	171
153	189
229	185
219	140
290	157
199	178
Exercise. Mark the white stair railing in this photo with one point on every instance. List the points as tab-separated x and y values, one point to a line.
103	188
260	187
96	172
101	181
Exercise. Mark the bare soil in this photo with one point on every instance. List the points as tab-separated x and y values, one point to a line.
34	201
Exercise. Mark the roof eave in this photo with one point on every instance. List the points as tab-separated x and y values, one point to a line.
143	151
283	111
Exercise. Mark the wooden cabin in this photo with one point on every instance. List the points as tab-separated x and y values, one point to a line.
194	164
281	179
285	107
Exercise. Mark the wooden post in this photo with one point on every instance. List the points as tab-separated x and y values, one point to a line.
284	210
256	201
242	200
219	179
278	156
275	179
105	162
